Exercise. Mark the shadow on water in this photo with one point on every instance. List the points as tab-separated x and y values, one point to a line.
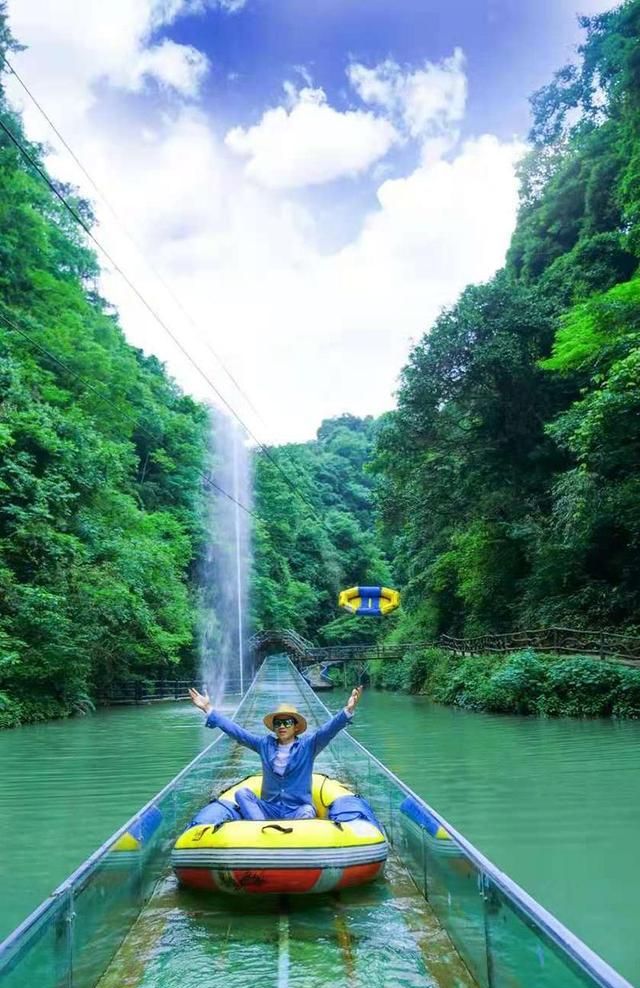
554	802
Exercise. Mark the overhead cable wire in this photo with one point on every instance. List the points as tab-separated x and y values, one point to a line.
158	275
108	399
87	229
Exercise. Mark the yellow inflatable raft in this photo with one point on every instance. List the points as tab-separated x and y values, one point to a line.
281	856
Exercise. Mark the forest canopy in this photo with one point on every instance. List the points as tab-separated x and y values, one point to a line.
322	539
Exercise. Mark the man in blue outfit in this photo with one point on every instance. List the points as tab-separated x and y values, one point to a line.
287	758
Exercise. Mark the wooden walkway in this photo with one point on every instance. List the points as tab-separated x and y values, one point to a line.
559	641
605	645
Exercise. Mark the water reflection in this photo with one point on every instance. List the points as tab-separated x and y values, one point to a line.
553	803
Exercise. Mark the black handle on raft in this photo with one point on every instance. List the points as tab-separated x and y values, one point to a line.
201	833
276	826
321	793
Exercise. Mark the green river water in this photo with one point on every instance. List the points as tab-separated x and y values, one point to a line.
554	803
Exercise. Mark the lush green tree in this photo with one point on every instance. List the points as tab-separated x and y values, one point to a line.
508	475
100	457
467	455
320	540
588	554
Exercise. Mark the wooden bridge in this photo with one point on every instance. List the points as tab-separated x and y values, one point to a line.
605	645
560	641
304	652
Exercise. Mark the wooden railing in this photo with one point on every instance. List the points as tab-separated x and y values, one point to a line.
147	691
304	652
561	641
366	651
285	639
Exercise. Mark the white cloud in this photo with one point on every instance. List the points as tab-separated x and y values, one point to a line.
178	67
72	46
425	100
449	221
311	334
308	333
231	5
309	142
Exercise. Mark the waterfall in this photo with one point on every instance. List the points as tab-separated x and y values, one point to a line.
226	561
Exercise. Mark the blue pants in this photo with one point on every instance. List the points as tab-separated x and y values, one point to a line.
253	808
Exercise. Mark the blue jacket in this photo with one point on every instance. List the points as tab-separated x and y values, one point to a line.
293	789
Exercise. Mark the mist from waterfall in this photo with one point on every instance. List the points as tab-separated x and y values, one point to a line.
224	575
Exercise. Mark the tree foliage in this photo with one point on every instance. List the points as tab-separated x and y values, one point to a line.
509	475
518	683
100	459
321	539
507	479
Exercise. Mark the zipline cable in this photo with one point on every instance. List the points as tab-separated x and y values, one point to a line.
108	399
119	222
87	229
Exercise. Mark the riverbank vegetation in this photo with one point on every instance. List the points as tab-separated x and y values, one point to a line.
524	682
100	453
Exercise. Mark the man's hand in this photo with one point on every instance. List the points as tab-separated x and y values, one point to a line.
201	700
353	699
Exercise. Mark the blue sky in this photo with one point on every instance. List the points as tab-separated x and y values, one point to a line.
511	46
313	180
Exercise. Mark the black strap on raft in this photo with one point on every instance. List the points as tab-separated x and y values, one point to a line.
276	826
201	832
321	793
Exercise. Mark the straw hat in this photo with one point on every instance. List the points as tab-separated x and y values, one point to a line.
286	710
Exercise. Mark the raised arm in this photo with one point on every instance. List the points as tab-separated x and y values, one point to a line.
338	722
202	701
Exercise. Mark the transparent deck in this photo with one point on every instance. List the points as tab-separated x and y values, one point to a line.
442	916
